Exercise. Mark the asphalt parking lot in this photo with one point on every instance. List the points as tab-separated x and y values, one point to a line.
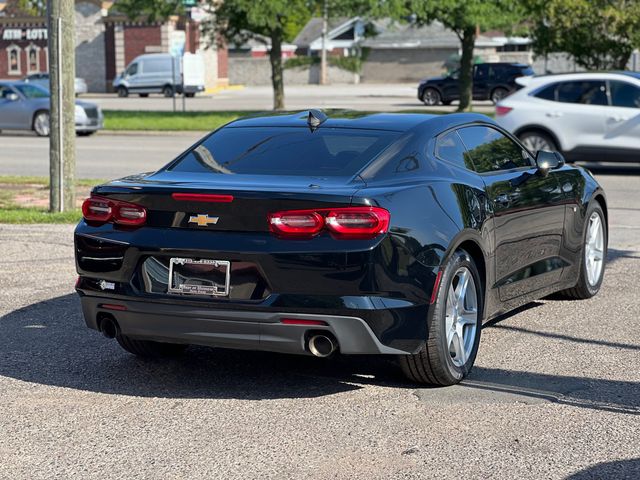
555	392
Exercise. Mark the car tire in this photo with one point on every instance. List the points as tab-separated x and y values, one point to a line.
431	97
143	95
148	348
85	134
536	140
498	94
444	359
123	92
593	255
168	91
190	95
42	123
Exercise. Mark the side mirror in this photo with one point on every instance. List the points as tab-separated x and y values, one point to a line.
547	161
12	97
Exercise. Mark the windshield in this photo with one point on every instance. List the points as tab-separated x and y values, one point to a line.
286	151
32	91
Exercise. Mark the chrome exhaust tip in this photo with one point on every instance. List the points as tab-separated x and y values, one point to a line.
322	345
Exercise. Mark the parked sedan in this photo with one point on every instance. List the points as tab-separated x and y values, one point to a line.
42	79
491	81
587	116
24	106
390	234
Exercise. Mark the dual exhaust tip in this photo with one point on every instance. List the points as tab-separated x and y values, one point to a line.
322	345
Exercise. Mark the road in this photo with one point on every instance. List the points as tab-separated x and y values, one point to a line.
100	156
555	393
384	98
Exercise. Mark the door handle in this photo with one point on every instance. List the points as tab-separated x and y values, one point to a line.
554	114
618	119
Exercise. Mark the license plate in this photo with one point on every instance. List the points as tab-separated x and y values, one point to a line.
199	277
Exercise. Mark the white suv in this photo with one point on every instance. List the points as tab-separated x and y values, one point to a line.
587	116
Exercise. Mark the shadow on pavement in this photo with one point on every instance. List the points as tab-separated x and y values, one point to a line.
618	470
48	343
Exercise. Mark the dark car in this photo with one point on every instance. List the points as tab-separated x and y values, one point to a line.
491	81
393	234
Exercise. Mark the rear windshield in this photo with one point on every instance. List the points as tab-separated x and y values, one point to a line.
286	151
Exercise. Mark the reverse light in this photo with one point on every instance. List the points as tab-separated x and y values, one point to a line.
97	209
344	223
501	111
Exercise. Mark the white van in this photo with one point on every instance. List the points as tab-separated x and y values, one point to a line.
154	73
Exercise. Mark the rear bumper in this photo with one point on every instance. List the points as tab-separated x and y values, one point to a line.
252	330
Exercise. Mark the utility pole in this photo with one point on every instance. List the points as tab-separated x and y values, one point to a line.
323	55
62	132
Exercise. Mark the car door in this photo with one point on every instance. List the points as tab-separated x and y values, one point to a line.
527	212
14	113
450	88
481	79
580	111
133	77
623	116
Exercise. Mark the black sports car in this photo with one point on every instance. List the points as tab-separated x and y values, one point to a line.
395	234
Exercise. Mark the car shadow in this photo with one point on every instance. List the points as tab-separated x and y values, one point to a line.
618	470
48	343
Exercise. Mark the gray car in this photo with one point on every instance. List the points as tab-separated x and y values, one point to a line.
42	79
25	106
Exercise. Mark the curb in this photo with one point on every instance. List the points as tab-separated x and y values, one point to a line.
223	88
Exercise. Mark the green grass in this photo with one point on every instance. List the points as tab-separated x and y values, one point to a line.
44	181
14	214
169	121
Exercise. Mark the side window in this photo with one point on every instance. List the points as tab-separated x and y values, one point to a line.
449	147
491	151
133	69
587	92
482	71
624	94
547	93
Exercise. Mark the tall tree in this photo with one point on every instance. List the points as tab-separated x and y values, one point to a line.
277	21
599	34
465	18
152	10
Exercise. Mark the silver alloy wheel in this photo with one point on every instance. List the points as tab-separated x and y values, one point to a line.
534	143
594	249
430	97
41	124
461	319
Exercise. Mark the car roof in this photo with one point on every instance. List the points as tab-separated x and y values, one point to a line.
399	122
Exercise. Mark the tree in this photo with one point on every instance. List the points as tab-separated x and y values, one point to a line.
599	34
277	21
152	10
465	18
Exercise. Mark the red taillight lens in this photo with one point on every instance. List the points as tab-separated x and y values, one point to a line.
202	197
500	110
304	223
358	222
96	209
103	210
347	222
300	321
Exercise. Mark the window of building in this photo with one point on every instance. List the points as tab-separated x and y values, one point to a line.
13	57
33	59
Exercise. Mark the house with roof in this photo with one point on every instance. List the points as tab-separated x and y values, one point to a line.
344	36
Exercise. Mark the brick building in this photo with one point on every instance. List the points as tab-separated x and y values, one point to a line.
105	43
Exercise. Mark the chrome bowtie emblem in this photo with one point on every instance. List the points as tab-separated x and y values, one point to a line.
203	220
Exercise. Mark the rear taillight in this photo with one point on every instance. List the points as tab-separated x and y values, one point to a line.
500	110
344	223
103	210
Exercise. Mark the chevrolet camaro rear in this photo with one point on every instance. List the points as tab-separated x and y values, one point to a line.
287	233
